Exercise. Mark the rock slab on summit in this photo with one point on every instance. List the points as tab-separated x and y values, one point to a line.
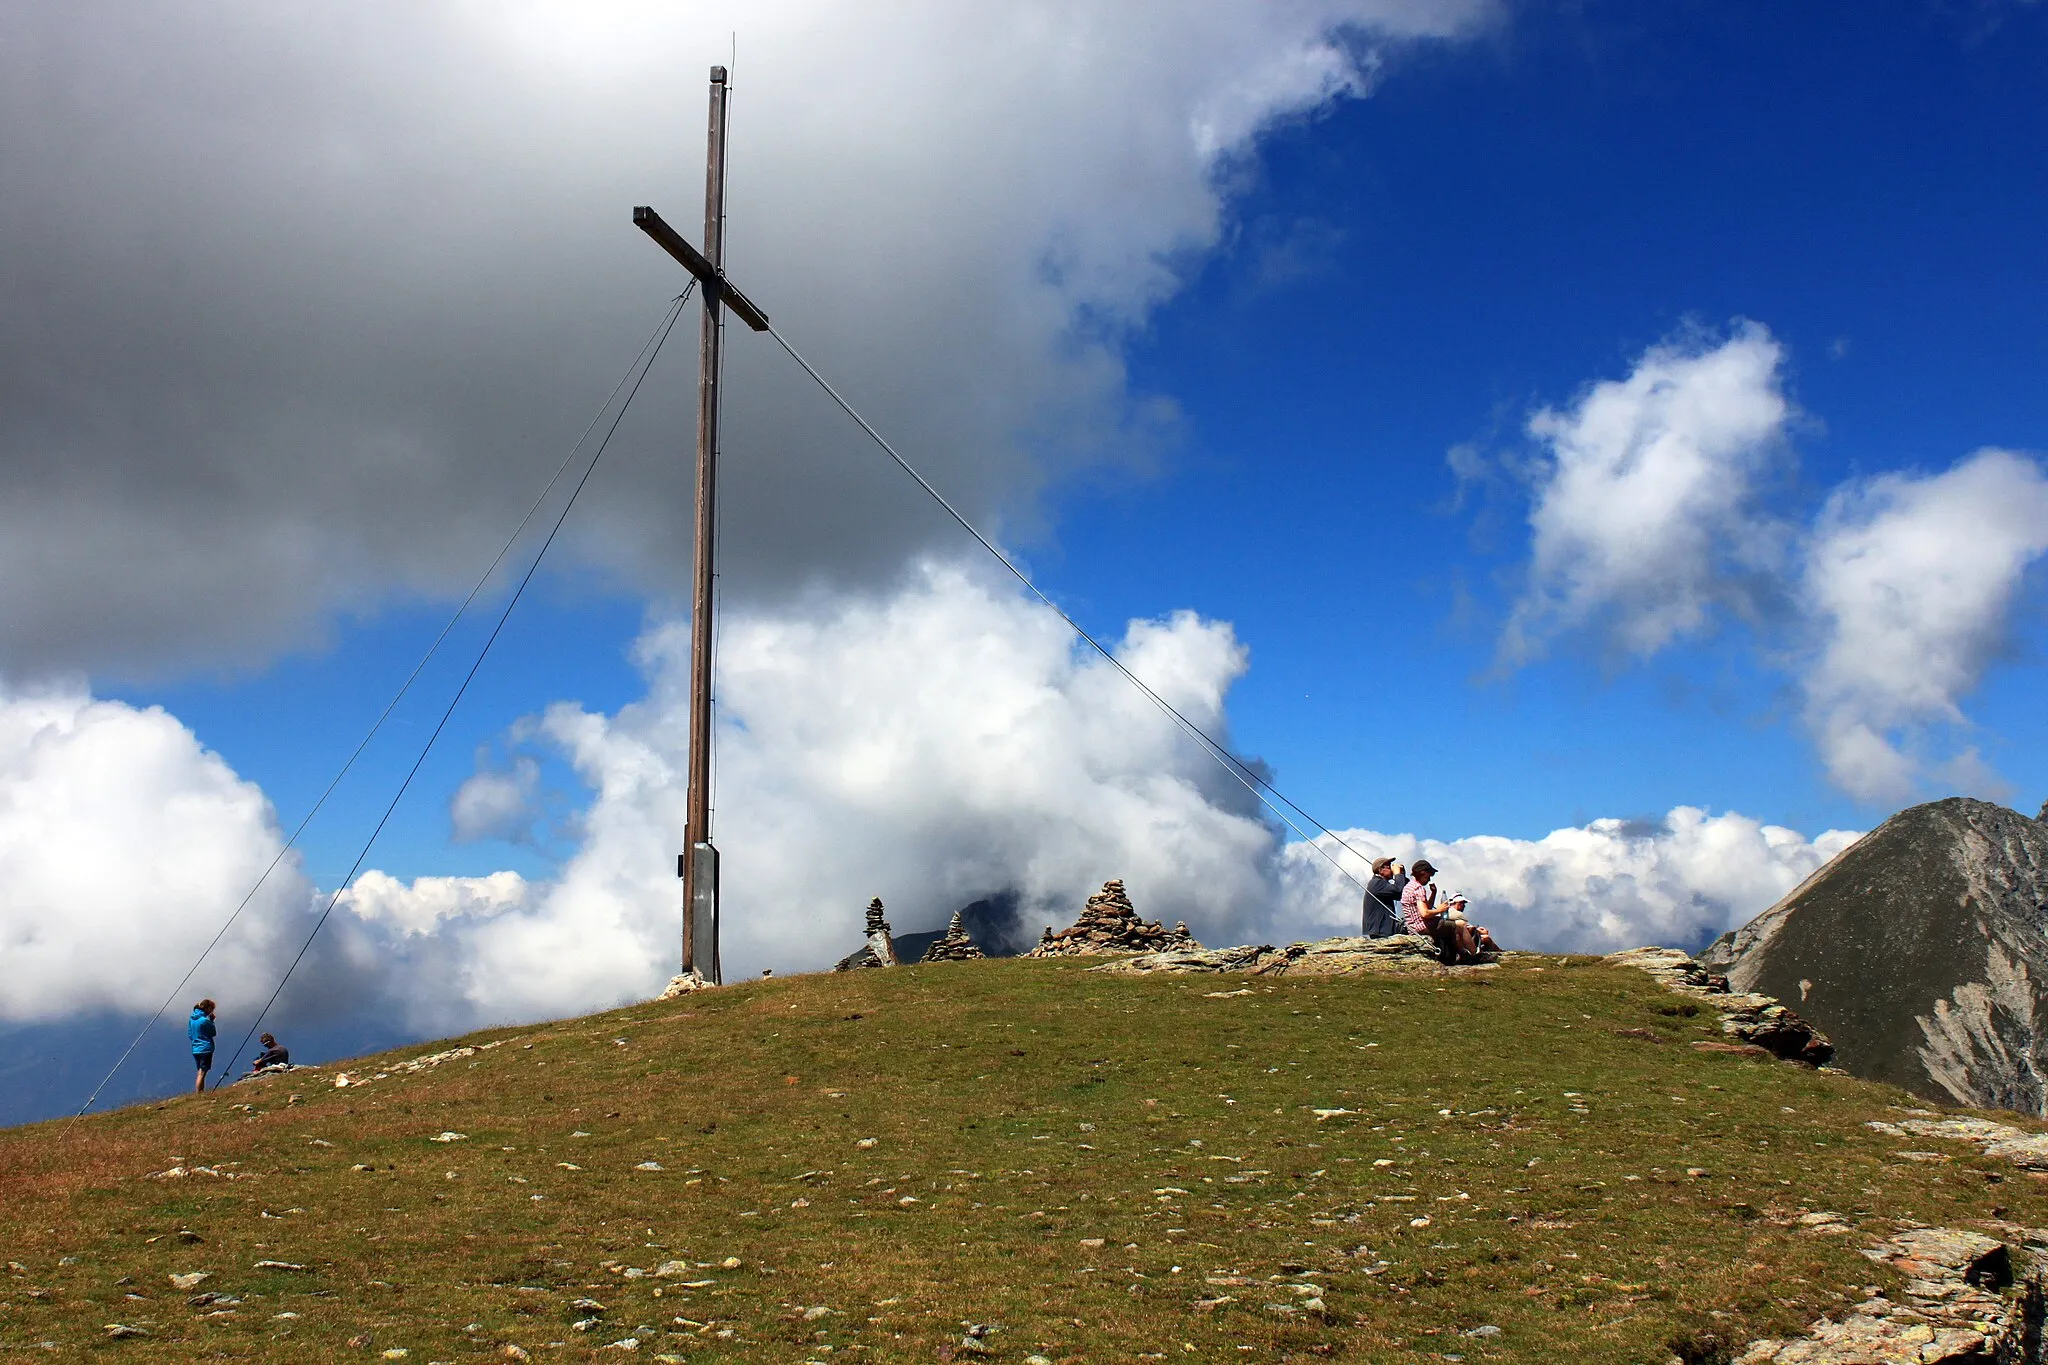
1109	923
1922	951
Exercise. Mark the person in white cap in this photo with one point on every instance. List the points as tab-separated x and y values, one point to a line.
1457	939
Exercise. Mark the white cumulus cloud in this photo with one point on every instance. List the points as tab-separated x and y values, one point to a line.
1599	887
124	845
931	745
496	803
1910	581
1645	502
1888	605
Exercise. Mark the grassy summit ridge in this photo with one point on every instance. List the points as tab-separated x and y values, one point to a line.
1100	1168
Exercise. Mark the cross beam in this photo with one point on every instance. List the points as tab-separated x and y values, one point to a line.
716	286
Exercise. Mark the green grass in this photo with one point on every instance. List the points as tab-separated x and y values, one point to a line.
1541	1117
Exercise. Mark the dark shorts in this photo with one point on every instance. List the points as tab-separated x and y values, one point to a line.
203	1060
1446	939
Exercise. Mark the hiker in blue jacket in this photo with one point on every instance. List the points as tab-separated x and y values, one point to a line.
199	1028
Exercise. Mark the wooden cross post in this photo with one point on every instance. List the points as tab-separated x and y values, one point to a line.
698	865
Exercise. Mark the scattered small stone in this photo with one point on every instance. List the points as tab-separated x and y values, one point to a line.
277	1265
813	1314
649	1166
121	1330
190	1281
360	1341
512	1352
1488	1330
450	1137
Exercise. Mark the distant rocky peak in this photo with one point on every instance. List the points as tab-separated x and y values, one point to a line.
1922	951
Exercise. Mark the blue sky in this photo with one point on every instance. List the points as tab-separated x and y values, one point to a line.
1316	322
1497	226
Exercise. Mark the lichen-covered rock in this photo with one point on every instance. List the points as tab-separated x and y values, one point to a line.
2027	1150
879	950
1952	1311
955	945
1245	958
1348	956
1325	957
1109	923
687	984
1760	1020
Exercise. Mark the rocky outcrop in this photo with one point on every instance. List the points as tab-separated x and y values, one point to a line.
955	945
1922	951
1109	923
879	950
1955	1309
1325	957
1758	1020
2000	1141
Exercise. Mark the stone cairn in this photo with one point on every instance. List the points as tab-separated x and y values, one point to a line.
1110	924
954	945
879	950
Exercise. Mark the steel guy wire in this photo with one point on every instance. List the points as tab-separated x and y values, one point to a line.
467	678
668	320
1251	781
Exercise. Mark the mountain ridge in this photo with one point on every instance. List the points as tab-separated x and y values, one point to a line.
1922	951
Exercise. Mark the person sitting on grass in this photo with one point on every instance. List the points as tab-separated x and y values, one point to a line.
272	1055
1457	940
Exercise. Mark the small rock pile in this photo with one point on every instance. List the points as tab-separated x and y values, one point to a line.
879	950
954	945
1109	923
1756	1019
1951	1311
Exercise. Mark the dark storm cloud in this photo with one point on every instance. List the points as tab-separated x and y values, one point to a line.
299	304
